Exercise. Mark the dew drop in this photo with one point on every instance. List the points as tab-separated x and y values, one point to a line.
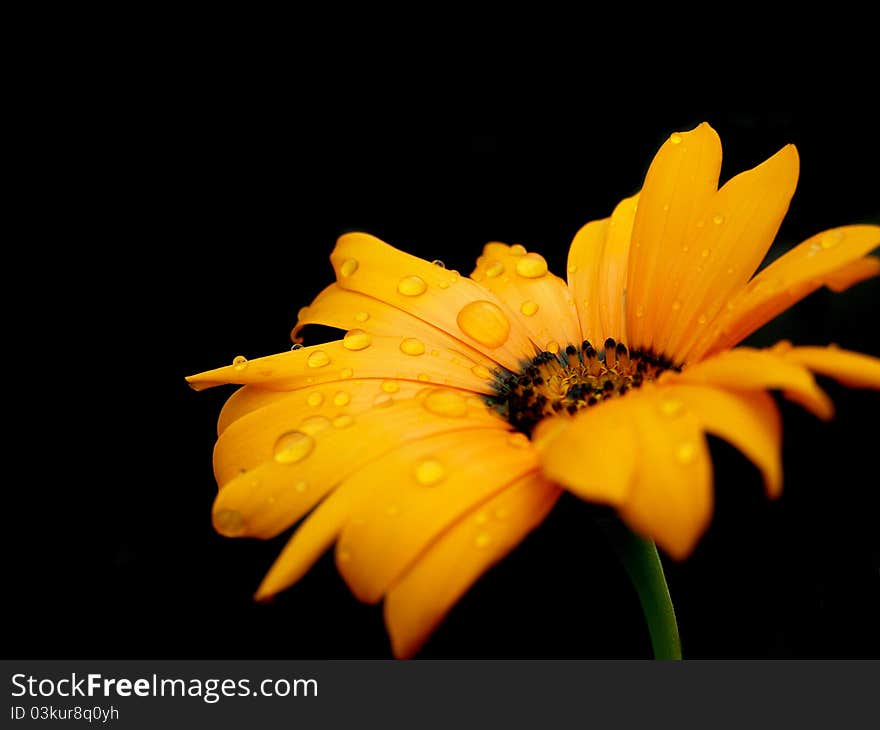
676	305
301	486
671	407
518	440
701	319
240	362
482	540
343	421
346	373
831	239
528	308
362	316
318	359
482	518
390	386
349	266
572	268
424	377
356	340
675	138
481	371
718	219
705	253
439	264
315	398
495	269
313	425
445	403
517	249
229	523
552	346
383	400
685	248
665	207
430	472
531	266
341	399
412	346
296	346
411	286
292	447
443	284
686	453
484	322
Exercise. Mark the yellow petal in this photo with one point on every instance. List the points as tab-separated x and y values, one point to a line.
243	401
732	235
594	454
853	369
681	179
401	357
541	300
853	273
349	310
830	258
417	603
598	262
747	419
272	493
748	369
367	265
671	497
415	493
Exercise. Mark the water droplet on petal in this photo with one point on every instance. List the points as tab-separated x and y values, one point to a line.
484	322
482	518
411	286
531	266
301	486
518	440
665	207
718	219
318	359
349	266
240	362
439	264
346	373
383	400
676	305
313	425
412	346
315	398
481	371
362	316
296	346
293	446
572	268
356	340
424	377
705	252
430	472
831	239
341	399
482	540
671	407
343	421
528	308
552	346
229	523
517	249
495	269
675	138
390	386
445	403
686	453
701	319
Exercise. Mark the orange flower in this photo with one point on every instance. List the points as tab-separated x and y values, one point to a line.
440	430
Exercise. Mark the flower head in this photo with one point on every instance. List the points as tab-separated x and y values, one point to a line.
442	427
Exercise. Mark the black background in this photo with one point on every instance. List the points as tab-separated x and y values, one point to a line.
192	229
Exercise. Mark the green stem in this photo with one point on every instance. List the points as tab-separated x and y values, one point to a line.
642	563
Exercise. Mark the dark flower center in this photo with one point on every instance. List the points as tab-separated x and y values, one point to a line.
574	378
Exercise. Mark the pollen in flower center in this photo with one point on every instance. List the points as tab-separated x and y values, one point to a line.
574	378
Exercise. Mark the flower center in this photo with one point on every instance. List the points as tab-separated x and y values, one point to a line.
551	384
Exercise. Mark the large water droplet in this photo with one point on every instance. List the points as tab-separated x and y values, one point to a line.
240	362
349	266
412	346
293	446
484	322
318	359
411	286
528	308
229	523
356	340
531	266
445	403
430	472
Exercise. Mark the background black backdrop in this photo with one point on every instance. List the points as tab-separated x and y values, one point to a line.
193	231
